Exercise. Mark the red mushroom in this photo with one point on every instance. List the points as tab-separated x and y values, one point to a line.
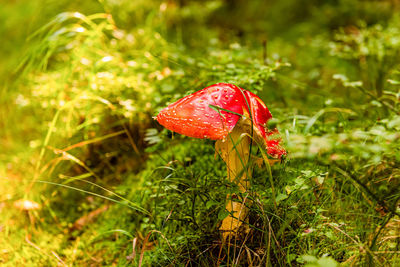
233	117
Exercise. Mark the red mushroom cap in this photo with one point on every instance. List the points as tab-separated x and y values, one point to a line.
260	116
194	116
259	112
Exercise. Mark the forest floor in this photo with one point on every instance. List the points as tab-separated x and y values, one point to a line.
89	178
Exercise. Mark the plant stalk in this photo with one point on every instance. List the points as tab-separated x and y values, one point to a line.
235	150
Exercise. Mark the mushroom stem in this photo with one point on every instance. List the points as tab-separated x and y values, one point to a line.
235	152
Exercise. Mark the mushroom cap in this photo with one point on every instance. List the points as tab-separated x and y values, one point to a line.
260	117
213	113
192	115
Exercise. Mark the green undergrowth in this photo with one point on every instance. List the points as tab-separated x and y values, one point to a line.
316	208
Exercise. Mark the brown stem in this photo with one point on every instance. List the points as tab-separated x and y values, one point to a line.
235	150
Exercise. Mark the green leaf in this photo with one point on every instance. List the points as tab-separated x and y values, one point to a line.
223	214
309	258
216	108
327	262
394	82
210	203
281	197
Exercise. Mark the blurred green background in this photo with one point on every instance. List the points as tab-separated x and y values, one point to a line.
82	81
